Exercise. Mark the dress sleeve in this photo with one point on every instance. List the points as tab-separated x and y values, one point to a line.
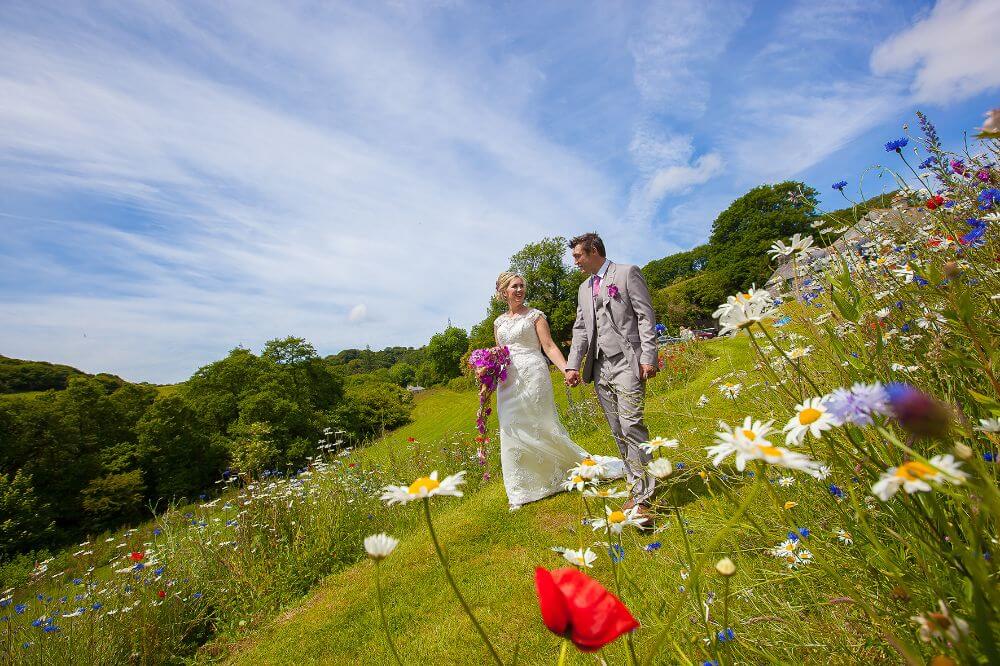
535	314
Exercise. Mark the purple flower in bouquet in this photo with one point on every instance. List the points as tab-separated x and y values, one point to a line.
612	291
491	369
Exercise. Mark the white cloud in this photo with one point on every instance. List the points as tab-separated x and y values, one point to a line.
954	50
680	177
278	169
358	313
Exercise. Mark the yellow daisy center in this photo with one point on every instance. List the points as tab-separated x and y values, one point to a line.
424	482
577	479
913	470
588	462
749	434
769	450
809	415
616	517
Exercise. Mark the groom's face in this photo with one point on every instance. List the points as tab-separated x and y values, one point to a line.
588	262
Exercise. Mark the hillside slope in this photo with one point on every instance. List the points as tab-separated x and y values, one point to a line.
493	554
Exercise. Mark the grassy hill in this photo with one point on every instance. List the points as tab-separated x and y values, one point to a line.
493	553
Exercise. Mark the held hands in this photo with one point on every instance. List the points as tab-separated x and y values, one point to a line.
572	377
647	371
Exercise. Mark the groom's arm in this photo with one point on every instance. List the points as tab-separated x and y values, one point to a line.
642	303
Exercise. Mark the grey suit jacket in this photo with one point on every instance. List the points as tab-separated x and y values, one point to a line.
631	312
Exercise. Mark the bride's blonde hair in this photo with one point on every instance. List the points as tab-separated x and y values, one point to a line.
503	282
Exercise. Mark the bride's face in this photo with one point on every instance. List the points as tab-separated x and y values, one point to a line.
515	292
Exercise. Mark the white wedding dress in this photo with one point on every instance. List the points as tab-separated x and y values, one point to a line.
536	452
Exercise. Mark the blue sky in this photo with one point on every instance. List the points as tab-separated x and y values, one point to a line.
179	179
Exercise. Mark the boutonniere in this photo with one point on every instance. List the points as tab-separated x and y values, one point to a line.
612	291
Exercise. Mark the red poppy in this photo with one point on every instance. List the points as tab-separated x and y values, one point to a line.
161	594
138	556
577	607
935	201
410	440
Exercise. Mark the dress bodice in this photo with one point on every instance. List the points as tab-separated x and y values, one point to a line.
517	332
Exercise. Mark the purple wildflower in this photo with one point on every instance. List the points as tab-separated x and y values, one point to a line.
989	198
840	185
858	404
917	412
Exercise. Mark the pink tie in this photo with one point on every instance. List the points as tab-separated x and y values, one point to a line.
596	285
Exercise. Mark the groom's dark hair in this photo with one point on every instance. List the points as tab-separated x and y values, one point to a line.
590	242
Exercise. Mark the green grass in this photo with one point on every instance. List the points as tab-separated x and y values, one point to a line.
493	554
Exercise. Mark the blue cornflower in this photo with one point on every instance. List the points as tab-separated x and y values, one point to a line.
679	465
617	553
653	546
20	608
727	635
710	663
36	623
63	600
905	328
975	236
792	536
928	163
77	581
804	532
50	628
896	145
989	198
158	572
39	597
25	645
836	491
5	602
97	606
840	185
921	282
989	456
858	404
196	595
157	532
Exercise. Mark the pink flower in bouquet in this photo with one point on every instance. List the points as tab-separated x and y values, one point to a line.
490	365
612	291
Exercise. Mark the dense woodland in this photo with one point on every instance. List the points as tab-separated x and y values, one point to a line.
81	453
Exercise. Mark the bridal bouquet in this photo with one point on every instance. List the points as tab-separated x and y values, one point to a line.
490	365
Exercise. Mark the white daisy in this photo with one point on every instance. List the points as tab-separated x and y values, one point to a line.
845	537
660	443
380	546
580	558
914	476
575	482
812	417
617	520
589	468
606	493
989	425
749	442
786	481
425	486
942	625
660	468
730	390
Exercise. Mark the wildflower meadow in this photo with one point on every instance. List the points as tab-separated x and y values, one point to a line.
827	472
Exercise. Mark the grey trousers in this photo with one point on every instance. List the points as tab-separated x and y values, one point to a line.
623	397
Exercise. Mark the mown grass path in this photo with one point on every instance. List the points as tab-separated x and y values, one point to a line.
493	553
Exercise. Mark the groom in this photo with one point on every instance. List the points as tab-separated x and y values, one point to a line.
615	329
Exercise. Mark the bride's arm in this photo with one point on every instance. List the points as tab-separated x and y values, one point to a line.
549	345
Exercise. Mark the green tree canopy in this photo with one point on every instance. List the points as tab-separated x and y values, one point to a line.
445	351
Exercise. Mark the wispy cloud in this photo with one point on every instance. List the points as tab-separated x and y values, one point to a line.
954	51
277	197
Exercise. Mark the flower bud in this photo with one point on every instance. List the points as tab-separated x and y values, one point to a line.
918	413
726	567
963	451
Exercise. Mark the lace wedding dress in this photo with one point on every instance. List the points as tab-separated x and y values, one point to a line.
536	452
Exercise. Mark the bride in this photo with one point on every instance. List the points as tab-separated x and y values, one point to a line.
536	452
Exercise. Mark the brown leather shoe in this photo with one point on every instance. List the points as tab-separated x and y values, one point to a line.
644	512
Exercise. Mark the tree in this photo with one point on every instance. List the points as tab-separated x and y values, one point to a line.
742	234
113	499
550	284
445	350
371	407
24	518
252	449
402	374
177	450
